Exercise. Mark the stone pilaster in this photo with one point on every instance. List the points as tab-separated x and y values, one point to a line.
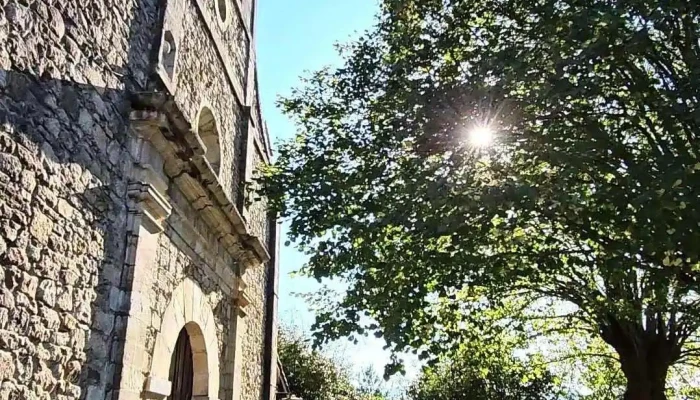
238	322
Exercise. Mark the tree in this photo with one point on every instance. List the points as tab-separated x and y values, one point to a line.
479	372
313	375
310	374
588	194
370	385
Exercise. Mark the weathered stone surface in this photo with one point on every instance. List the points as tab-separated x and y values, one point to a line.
7	299
68	296
29	285
47	292
42	225
7	366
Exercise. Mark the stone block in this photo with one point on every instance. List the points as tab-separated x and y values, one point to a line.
19	320
47	292
7	299
81	309
16	256
104	322
44	378
50	318
7	366
42	353
65	209
64	300
37	330
10	165
29	285
28	180
41	227
158	386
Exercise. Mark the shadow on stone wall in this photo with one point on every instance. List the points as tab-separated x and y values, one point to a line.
64	168
64	226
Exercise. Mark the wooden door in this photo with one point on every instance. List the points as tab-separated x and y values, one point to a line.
181	368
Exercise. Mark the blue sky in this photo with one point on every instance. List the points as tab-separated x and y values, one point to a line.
294	36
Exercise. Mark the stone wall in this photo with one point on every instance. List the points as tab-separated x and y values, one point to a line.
68	70
202	80
64	71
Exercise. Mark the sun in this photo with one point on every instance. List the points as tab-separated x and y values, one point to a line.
480	136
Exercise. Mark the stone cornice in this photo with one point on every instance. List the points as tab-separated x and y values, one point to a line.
159	120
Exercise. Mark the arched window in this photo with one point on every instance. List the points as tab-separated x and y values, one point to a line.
209	133
182	368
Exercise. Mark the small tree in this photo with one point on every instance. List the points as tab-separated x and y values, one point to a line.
484	372
587	195
313	375
370	384
310	374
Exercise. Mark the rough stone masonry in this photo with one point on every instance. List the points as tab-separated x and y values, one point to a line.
134	261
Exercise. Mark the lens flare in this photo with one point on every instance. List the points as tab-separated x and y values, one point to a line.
480	136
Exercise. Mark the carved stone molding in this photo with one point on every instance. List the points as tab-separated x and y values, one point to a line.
158	120
241	298
154	206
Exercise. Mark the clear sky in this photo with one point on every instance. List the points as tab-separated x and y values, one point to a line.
294	36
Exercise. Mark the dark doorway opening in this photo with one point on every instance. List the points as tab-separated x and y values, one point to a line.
181	368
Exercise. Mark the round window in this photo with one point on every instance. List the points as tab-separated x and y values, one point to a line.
222	10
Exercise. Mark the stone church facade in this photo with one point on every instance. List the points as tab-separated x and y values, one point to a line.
135	260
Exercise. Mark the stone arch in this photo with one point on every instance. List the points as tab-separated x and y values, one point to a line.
208	132
189	308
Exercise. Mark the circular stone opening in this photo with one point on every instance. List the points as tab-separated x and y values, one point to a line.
222	10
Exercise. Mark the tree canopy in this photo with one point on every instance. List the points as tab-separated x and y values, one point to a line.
585	200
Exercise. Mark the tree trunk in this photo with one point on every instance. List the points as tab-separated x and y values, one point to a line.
645	357
646	379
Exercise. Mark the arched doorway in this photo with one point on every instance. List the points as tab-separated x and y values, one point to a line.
188	320
182	368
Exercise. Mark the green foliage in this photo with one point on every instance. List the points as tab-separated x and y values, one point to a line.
310	374
315	376
479	372
370	385
588	196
